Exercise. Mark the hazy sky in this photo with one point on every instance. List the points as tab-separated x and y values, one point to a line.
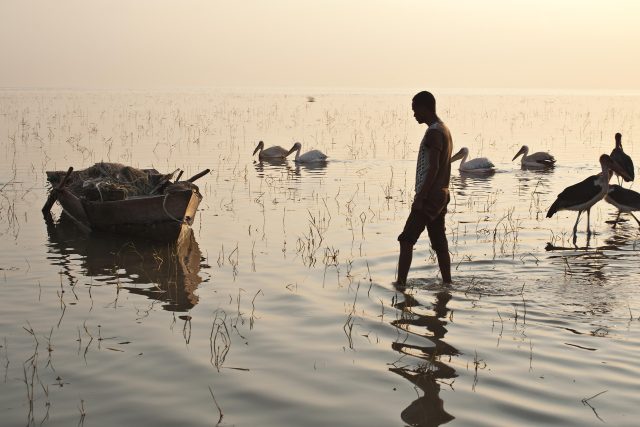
556	44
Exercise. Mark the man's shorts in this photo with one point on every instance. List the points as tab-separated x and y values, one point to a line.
418	221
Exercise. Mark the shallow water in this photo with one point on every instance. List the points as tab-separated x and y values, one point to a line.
279	309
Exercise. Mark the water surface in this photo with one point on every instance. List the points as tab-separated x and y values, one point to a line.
279	309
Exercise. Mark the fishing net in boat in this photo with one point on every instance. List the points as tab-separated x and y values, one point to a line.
110	181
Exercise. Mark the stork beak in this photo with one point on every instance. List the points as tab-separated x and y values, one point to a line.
258	147
517	154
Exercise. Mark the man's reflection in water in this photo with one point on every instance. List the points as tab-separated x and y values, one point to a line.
427	410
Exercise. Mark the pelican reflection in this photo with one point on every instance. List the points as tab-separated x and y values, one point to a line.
473	182
166	272
313	167
265	166
538	180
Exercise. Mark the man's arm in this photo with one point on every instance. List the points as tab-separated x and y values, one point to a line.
435	142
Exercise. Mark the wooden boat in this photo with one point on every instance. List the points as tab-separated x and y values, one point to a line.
161	215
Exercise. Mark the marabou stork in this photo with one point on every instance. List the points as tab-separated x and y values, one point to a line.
623	159
582	196
625	200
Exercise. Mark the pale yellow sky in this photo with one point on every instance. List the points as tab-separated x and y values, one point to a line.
160	44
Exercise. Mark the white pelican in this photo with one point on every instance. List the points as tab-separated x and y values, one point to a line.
583	195
535	160
481	164
309	156
620	157
625	200
275	152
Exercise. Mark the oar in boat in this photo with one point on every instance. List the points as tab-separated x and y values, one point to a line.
163	182
53	194
199	175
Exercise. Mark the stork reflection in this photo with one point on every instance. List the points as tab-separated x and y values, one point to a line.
429	370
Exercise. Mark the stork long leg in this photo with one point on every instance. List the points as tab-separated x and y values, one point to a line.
588	221
575	228
634	217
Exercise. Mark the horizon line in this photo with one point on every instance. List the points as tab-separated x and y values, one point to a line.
333	90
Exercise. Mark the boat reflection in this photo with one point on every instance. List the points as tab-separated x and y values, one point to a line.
166	272
430	370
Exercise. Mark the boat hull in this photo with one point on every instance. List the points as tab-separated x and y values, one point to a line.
161	217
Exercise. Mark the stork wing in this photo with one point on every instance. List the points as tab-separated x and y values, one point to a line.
624	196
582	191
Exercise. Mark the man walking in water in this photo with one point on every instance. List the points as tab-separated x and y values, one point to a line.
433	170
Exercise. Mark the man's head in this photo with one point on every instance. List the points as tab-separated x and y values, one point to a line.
424	107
